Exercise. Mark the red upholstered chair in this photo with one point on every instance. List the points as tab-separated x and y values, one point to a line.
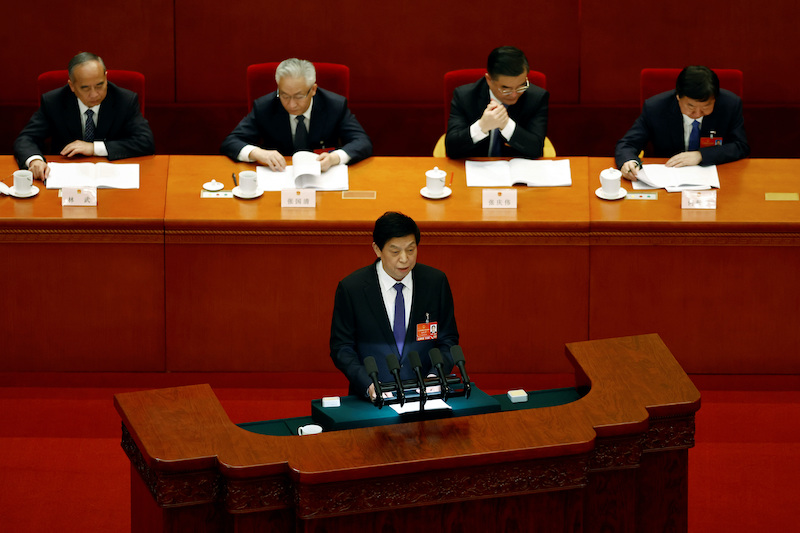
127	79
330	76
457	78
657	80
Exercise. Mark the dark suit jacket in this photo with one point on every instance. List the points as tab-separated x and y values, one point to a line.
120	125
469	102
332	126
661	126
360	326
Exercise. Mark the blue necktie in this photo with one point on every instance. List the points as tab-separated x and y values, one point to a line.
694	137
301	134
88	132
495	143
399	328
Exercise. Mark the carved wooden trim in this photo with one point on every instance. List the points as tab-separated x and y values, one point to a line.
443	486
73	235
697	238
258	495
669	433
172	490
616	452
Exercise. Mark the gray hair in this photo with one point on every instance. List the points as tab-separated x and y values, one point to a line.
296	68
80	59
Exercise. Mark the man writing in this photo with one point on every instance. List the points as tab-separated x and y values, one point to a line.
298	116
696	124
88	116
393	306
501	114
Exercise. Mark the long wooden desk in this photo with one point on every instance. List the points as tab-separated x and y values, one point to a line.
88	282
615	459
522	276
720	286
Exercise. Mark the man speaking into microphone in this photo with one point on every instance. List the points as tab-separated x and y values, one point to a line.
393	306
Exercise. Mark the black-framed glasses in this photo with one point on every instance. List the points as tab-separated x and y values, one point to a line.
298	97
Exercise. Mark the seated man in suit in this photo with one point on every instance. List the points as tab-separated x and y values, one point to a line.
696	124
501	114
88	116
298	116
393	306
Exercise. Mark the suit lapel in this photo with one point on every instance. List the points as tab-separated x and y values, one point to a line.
374	299
73	116
676	129
106	116
318	115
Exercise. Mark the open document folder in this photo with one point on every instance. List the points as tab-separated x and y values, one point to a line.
530	172
676	179
304	173
100	175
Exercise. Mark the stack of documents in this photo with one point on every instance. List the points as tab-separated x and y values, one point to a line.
533	173
100	175
304	173
676	179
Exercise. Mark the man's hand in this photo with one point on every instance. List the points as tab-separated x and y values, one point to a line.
327	160
78	148
40	169
494	116
269	158
685	159
371	392
630	170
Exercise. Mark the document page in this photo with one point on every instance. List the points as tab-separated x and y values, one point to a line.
530	172
304	173
100	175
676	179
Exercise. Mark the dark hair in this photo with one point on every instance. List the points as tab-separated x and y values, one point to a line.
697	82
391	225
80	59
506	61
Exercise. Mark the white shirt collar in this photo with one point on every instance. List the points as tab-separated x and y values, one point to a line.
82	107
387	282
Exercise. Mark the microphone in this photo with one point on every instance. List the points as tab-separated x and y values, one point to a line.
394	368
372	370
458	359
438	364
416	364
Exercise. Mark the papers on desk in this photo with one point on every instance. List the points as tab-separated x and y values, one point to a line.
413	407
530	172
100	175
304	173
676	179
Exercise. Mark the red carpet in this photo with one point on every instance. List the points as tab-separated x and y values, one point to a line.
62	469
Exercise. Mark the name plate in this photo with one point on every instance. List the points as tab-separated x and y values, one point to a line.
79	197
216	194
699	199
299	198
499	198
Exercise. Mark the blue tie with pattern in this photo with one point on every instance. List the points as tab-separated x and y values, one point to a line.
88	132
694	136
399	328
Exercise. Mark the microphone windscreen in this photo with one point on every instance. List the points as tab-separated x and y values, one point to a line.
413	358
370	365
457	353
391	362
436	356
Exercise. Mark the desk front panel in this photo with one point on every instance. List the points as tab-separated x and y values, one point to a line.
90	278
719	286
268	275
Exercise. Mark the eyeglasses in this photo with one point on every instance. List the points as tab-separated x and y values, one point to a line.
298	97
519	90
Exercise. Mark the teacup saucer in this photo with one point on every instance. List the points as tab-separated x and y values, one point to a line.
213	186
237	192
620	194
31	193
447	191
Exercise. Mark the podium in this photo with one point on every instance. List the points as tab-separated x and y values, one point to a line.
614	460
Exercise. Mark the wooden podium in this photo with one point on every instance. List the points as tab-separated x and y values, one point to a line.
615	460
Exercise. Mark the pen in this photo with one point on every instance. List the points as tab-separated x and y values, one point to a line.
451	179
233	175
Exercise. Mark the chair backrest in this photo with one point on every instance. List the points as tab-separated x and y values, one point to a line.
127	79
330	76
657	80
457	78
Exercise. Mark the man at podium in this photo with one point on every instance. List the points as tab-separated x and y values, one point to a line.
393	306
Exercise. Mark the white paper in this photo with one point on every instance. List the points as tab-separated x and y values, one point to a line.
304	173
100	175
676	179
530	172
413	407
